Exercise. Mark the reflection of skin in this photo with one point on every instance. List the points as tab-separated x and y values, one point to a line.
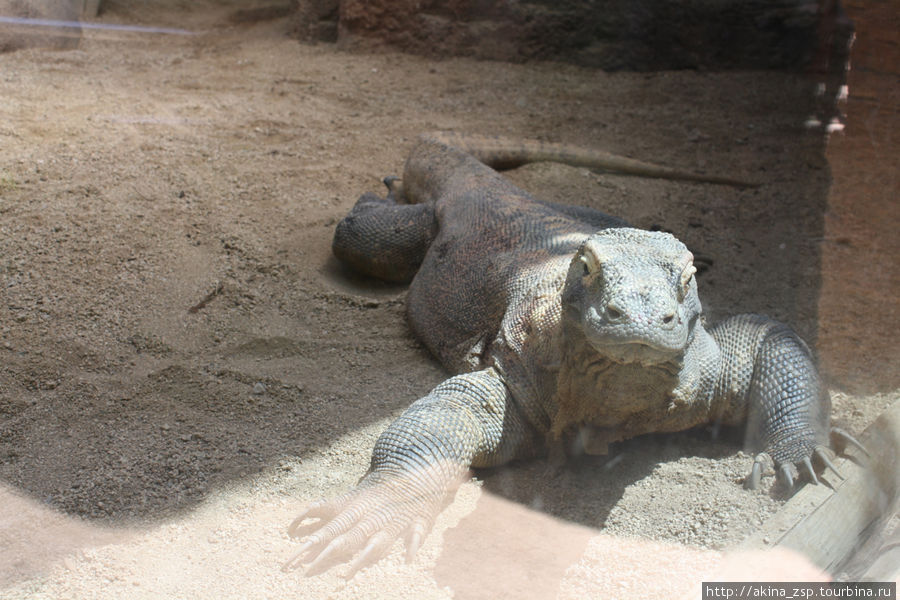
492	552
34	538
777	564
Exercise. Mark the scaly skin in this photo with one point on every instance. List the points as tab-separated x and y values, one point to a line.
562	323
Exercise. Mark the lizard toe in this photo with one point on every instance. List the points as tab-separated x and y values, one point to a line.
375	550
323	510
787	472
336	552
298	558
418	530
753	479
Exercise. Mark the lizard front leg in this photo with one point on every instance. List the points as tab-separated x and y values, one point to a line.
768	375
417	463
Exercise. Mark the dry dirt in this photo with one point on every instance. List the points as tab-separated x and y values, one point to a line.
183	365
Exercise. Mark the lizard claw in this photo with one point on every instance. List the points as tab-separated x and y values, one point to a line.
395	188
416	537
316	510
334	553
789	470
822	456
374	551
752	481
786	473
810	471
296	561
849	439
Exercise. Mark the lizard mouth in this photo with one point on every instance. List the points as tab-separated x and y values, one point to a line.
636	352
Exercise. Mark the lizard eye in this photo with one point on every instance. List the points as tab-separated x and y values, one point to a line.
684	285
589	263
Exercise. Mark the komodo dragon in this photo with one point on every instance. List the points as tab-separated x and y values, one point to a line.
563	323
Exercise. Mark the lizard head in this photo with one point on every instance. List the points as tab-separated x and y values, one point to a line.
633	295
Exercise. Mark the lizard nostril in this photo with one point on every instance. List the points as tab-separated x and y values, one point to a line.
667	320
613	313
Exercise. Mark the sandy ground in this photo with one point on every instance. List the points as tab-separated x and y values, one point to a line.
183	365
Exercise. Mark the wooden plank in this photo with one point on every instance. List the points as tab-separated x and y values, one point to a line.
828	526
886	563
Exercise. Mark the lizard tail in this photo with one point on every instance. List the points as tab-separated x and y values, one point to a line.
507	153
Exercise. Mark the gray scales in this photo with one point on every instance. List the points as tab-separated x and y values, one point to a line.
566	328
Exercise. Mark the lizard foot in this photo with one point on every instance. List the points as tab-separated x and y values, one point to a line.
790	471
365	522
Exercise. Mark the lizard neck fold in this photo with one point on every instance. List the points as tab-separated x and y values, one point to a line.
599	400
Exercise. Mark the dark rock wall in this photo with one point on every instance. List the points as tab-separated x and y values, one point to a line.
610	34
